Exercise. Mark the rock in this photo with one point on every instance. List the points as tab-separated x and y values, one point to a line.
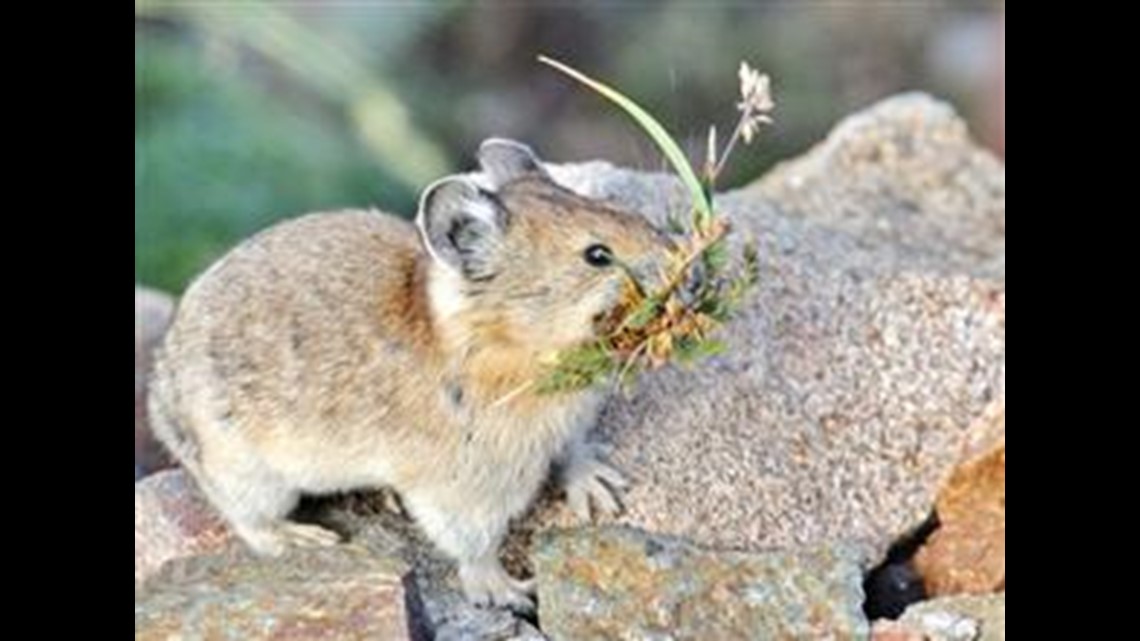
943	616
903	175
960	618
967	552
153	312
330	593
859	370
619	583
172	520
894	631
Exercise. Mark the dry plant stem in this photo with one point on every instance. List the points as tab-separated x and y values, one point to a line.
732	144
728	148
629	273
506	398
718	230
628	365
710	157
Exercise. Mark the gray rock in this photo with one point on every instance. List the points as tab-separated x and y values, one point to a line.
618	583
904	175
153	312
942	618
332	593
173	520
873	344
956	618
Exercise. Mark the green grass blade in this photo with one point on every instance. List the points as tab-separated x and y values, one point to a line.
647	122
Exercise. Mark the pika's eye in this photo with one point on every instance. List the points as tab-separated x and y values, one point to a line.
598	256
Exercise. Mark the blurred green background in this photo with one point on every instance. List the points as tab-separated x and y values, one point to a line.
249	112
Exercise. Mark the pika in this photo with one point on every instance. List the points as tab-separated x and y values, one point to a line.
338	351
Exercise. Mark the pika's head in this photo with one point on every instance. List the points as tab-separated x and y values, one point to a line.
516	258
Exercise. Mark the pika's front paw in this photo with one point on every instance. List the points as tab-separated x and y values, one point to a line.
488	585
587	479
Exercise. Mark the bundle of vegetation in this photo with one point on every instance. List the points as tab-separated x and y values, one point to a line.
703	288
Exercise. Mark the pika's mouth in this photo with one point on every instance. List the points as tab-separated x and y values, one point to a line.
617	302
606	320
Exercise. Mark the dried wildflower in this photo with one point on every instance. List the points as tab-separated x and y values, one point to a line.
755	105
756	91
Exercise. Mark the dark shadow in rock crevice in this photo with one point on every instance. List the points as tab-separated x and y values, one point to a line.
894	584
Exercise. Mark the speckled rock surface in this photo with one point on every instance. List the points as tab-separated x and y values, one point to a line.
853	380
959	618
173	520
617	583
902	174
894	631
153	311
332	593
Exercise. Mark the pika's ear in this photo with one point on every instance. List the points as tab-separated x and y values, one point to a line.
461	225
505	160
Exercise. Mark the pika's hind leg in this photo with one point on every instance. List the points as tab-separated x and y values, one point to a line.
256	502
486	583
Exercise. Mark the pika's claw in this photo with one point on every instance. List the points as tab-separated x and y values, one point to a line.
587	479
488	585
